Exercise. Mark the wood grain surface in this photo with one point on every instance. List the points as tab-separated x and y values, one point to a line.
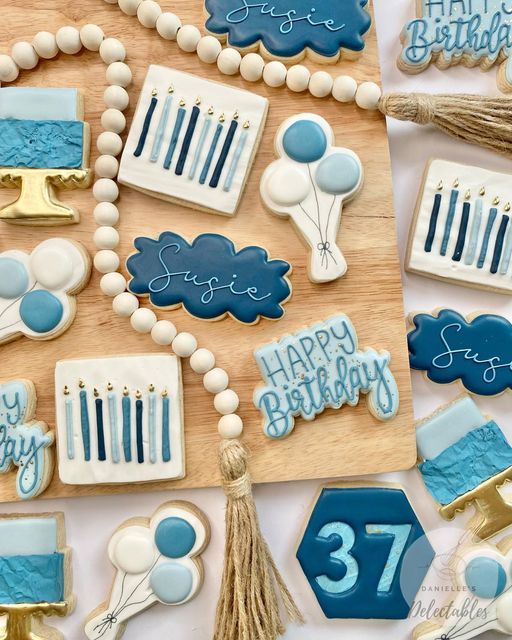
338	443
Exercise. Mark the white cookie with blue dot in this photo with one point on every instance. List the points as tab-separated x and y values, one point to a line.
157	560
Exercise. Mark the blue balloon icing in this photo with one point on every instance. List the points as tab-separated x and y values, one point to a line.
449	348
305	141
32	579
41	311
287	27
209	277
13	278
171	582
485	577
175	537
337	174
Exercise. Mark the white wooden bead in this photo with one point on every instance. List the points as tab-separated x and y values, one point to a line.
368	96
202	361
297	78
45	45
24	55
68	40
226	402
216	380
143	320
148	13
208	49
129	6
163	333
119	73
230	426
112	50
274	74
184	344
109	143
188	38
320	84
106	238
106	261
111	1
106	214
8	69
113	284
251	67
105	190
106	166
344	89
116	97
113	120
125	304
168	25
92	36
229	61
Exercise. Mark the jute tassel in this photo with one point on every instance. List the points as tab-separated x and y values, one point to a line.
481	120
248	607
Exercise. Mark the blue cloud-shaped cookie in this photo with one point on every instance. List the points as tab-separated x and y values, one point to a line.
477	352
286	28
209	277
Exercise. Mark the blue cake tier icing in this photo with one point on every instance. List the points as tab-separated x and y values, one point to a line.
32	579
39	103
481	454
287	27
41	144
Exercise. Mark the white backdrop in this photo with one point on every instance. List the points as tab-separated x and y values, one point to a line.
91	521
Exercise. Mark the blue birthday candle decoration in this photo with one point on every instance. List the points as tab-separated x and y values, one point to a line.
180	117
498	247
487	234
187	140
152	424
226	147
475	230
434	216
236	156
100	431
212	149
166	441
139	409
84	421
126	405
449	218
68	402
461	237
112	414
162	125
207	123
147	123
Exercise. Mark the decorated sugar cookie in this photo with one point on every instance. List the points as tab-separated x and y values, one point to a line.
119	419
289	30
354	551
465	457
44	146
451	32
310	183
320	367
25	443
192	141
35	570
476	351
157	560
244	284
37	290
482	582
461	230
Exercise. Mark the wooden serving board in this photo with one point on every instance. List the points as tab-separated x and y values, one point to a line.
338	443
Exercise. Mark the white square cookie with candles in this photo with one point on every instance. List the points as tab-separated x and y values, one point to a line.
119	419
461	231
192	141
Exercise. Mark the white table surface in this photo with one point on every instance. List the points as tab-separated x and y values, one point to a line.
91	521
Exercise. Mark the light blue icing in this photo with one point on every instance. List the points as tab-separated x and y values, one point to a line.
481	454
175	537
485	577
29	103
160	132
152	427
305	141
342	554
480	28
41	311
112	416
68	403
27	536
507	253
449	221
447	427
487	234
21	444
171	582
475	230
32	579
13	278
236	159
41	144
400	534
321	367
338	173
200	146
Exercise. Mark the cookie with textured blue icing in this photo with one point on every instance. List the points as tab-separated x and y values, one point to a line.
288	30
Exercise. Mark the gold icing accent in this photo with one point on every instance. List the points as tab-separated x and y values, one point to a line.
456	183
151	388
165	393
138	394
66	391
496	200
440	185
482	191
81	384
210	111
110	386
198	101
246	124
96	392
222	118
507	207
170	89
468	194
182	103
236	115
126	392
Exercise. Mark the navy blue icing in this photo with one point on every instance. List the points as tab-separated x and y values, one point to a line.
449	348
41	144
32	579
357	508
209	277
287	27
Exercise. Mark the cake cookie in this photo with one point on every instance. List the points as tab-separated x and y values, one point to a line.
156	559
37	290
310	183
288	31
